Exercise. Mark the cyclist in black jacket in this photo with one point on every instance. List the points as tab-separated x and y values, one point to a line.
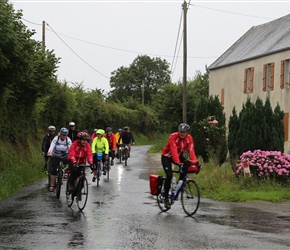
46	143
72	132
126	137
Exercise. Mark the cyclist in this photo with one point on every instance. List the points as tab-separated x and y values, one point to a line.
173	151
117	139
94	134
126	137
72	134
46	141
100	144
112	142
58	150
79	153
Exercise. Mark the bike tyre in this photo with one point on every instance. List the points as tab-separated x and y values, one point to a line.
98	174
69	195
83	191
58	183
48	175
108	167
190	197
160	197
126	156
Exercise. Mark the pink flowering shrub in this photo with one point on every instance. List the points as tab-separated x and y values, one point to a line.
266	164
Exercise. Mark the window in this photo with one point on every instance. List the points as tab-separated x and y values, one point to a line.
248	80
222	96
286	124
268	76
285	74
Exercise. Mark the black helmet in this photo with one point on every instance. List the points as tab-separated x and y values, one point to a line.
183	127
108	129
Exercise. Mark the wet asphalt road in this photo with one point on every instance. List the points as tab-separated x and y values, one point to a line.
121	214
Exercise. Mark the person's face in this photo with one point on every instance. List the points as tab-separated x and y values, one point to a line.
99	136
62	137
83	142
72	127
182	134
51	133
109	133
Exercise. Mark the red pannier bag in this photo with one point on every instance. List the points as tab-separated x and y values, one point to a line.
154	183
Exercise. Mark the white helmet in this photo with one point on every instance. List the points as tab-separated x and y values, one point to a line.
71	124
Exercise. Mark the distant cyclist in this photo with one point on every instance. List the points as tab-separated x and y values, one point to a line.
118	134
94	134
46	141
127	137
79	153
72	134
100	145
112	143
59	151
173	151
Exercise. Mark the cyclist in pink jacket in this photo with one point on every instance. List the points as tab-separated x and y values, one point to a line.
80	153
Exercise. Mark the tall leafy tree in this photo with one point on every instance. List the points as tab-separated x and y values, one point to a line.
145	74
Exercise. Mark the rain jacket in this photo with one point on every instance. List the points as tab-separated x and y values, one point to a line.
176	147
100	145
112	141
80	154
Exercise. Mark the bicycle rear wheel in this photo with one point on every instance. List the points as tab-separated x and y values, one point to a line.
108	167
48	175
161	197
190	197
126	155
58	182
82	193
69	194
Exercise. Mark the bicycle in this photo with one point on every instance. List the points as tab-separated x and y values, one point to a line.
189	191
99	167
119	152
80	190
124	155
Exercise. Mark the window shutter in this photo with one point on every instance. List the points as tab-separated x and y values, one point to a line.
252	80
282	75
222	96
245	81
272	76
286	124
264	76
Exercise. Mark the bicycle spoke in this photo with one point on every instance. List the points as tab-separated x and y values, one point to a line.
190	197
69	195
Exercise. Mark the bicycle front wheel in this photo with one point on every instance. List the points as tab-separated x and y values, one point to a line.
58	183
82	194
108	167
190	197
98	175
126	156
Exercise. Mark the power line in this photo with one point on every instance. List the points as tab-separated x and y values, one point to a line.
77	54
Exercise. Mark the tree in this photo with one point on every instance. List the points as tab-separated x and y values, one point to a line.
128	82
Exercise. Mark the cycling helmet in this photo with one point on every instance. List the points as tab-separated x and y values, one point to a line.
183	127
63	131
95	130
100	131
83	135
126	128
51	128
71	124
120	129
108	129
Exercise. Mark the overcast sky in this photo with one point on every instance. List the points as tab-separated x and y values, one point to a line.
94	38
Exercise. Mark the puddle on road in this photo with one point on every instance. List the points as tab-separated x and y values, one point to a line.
244	218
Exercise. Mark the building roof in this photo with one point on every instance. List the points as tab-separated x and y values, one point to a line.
258	41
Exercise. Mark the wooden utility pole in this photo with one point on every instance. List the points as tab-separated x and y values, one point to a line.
184	101
43	35
142	92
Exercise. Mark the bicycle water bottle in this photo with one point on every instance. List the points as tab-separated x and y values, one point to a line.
179	184
173	184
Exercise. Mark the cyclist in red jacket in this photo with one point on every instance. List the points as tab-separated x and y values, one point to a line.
80	153
111	137
178	143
